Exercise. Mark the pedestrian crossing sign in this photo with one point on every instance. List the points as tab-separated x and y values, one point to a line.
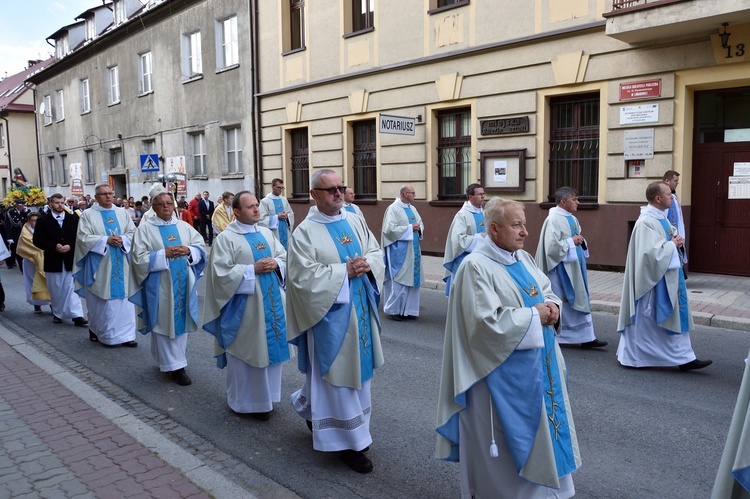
149	163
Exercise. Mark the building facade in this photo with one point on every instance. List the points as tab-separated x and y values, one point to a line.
523	97
18	145
163	78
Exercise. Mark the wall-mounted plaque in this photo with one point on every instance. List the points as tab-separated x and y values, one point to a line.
504	126
503	171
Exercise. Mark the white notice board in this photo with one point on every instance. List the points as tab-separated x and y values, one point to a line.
739	188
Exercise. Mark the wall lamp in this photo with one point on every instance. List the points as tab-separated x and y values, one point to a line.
724	35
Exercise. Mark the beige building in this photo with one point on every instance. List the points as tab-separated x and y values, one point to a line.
18	145
522	96
131	78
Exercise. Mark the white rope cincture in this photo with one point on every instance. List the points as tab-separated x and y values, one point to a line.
493	446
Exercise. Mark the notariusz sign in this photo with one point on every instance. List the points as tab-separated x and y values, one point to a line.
399	125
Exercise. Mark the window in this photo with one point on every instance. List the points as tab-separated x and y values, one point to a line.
297	25
85	101
114	85
226	43
47	109
146	72
90	28
233	140
115	158
191	55
365	160
60	105
90	168
198	150
300	164
362	12
2	134
64	180
62	46
120	13
454	153
51	170
446	3
574	145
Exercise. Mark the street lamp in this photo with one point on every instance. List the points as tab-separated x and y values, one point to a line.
724	35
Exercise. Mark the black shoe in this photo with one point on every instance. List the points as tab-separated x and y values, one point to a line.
695	364
594	344
309	425
56	319
130	344
410	317
356	460
37	309
395	317
181	378
93	337
80	322
260	416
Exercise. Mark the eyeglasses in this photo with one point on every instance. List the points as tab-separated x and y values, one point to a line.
332	190
410	192
162	204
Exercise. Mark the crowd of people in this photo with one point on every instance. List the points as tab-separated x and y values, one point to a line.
274	288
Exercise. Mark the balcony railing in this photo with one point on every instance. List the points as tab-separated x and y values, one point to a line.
623	6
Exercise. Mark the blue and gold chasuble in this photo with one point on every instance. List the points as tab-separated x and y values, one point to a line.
565	281
185	300
225	327
664	308
453	266
517	396
398	251
278	206
90	263
330	332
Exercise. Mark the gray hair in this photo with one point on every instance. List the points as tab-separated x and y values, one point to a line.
494	210
315	179
564	193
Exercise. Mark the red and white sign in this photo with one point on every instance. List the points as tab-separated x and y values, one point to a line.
646	89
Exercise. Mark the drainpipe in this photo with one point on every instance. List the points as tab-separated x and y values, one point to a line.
10	156
255	101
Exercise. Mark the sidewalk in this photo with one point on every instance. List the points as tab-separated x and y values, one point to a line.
59	437
715	300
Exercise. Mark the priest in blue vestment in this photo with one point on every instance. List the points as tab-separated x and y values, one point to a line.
503	408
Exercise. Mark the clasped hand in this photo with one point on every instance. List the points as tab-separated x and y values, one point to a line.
176	251
265	265
114	241
549	313
357	266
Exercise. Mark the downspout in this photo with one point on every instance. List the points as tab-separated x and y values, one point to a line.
254	103
38	137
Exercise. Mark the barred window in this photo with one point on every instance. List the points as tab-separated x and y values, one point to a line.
365	160
574	145
300	164
454	153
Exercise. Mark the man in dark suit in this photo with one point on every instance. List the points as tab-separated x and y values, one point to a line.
206	210
55	234
14	222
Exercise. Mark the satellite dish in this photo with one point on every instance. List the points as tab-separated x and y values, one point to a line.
42	108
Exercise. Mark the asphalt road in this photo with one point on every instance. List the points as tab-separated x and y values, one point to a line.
652	433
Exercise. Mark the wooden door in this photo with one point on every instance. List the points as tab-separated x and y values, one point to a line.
719	239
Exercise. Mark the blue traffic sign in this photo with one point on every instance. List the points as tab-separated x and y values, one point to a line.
149	163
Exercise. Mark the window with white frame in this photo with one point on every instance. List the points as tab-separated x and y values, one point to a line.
233	142
60	101
90	168
198	151
47	103
51	170
297	24
227	48
2	134
192	63
120	13
146	72
90	28
64	178
115	158
85	100
62	46
113	80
